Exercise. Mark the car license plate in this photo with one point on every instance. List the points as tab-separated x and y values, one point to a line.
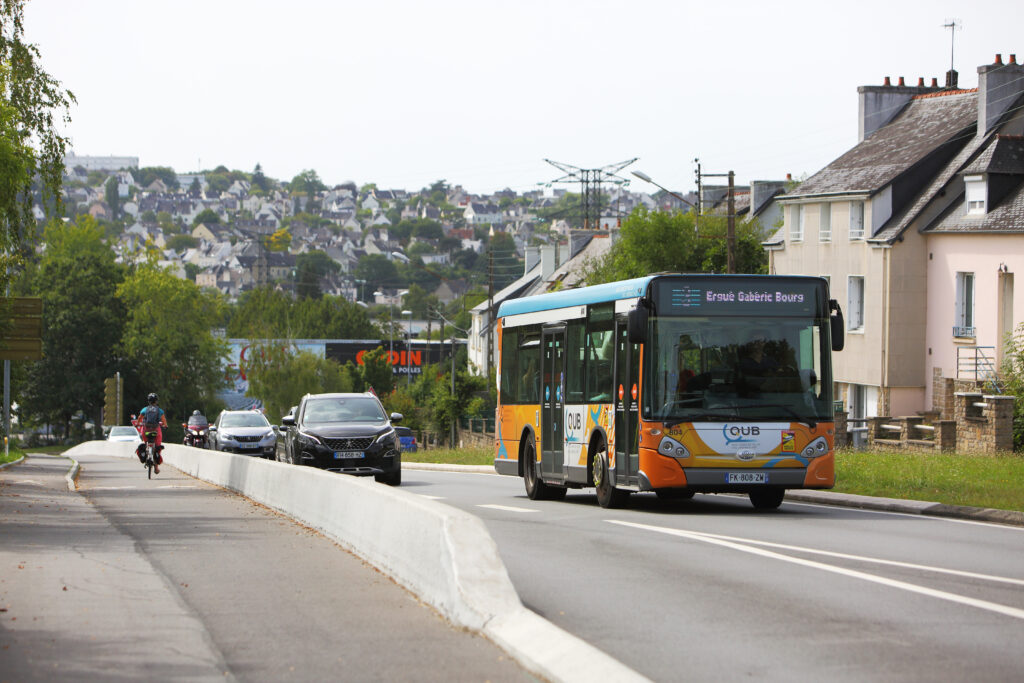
249	445
348	454
747	478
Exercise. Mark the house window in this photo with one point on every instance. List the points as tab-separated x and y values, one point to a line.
796	226
856	220
825	224
964	324
977	195
855	303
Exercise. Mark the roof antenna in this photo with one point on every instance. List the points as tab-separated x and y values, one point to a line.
952	25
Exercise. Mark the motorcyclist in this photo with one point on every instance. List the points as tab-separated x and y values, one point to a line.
151	418
196	419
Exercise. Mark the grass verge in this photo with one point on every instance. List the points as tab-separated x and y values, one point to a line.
975	480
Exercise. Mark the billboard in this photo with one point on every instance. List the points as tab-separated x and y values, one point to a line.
405	359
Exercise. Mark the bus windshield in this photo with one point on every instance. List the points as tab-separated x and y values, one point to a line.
738	368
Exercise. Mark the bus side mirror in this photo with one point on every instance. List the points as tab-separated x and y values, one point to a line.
636	325
838	326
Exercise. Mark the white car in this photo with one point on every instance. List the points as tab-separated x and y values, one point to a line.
129	434
245	432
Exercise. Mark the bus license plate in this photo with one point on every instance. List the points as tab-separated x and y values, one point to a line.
747	478
338	455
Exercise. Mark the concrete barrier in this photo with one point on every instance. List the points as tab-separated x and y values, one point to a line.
443	555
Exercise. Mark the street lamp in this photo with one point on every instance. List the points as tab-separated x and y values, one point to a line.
391	326
731	228
408	349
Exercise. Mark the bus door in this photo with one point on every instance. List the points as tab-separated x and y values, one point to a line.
552	401
627	405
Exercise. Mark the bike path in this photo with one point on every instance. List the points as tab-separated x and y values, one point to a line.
172	578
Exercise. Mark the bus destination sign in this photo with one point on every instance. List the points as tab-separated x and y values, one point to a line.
736	296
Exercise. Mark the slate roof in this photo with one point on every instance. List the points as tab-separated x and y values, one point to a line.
1007	217
1004	155
926	123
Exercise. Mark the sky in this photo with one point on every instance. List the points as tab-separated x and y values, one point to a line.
479	93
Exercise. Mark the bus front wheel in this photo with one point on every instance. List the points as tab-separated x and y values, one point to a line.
767	499
607	495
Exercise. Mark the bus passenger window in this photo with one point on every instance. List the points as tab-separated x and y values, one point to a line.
600	365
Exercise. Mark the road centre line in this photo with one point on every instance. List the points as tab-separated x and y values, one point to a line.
506	508
864	576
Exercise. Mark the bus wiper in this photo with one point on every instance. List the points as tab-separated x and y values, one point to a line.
811	422
729	413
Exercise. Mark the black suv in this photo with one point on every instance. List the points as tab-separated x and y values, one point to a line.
347	433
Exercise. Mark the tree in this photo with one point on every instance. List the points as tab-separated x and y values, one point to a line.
279	376
259	180
77	279
419	301
655	241
111	195
182	242
312	267
146	175
206	216
32	105
377	371
307	182
377	270
168	338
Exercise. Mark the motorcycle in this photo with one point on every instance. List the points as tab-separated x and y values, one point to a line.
196	435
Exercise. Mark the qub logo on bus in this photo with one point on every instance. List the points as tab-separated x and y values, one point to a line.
739	433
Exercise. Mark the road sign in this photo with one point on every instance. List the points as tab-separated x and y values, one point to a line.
22	328
21	349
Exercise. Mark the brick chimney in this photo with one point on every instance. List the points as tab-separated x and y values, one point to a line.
877	105
999	87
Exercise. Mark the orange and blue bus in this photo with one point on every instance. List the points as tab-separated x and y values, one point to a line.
676	384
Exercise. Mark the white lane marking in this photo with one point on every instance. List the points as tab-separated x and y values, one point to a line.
507	508
107	488
902	585
911	515
864	558
422	495
177	486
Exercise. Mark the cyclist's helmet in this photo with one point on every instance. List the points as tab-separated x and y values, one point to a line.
151	398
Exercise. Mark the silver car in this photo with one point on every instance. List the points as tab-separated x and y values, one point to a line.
243	431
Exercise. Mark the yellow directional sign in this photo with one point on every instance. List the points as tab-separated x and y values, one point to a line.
21	349
22	328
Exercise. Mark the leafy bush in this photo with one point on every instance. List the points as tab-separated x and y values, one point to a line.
1013	376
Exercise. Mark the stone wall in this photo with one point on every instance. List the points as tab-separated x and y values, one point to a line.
983	423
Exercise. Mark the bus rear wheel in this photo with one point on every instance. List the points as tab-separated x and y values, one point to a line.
607	495
767	499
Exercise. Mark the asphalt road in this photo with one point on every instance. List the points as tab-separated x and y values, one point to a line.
711	589
170	579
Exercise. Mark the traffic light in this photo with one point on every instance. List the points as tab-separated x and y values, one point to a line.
110	416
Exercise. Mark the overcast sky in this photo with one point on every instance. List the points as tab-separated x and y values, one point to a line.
405	92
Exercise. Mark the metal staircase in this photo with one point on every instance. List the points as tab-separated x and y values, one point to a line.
977	363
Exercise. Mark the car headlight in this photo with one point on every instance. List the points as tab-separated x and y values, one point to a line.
308	439
816	448
672	448
388	436
267	436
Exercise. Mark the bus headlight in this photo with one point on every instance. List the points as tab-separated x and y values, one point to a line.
815	448
673	448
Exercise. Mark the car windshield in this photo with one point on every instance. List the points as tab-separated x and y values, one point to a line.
348	409
122	431
244	420
725	368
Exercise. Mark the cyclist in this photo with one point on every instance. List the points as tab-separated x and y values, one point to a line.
151	418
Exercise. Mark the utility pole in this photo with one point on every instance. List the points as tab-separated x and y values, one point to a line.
730	230
590	186
489	357
697	172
